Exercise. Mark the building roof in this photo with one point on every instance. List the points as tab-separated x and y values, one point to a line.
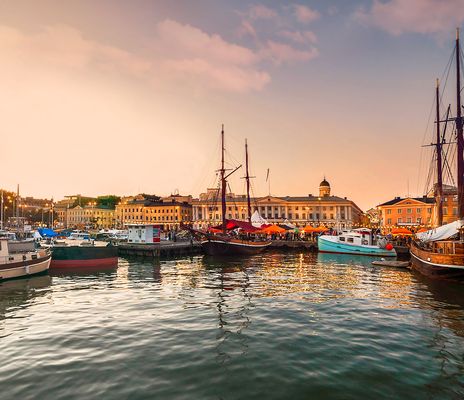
324	183
424	199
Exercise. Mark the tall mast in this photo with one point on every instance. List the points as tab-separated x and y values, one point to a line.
460	138
223	183
439	188
247	177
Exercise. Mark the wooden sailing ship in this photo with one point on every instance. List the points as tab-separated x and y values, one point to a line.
224	243
439	254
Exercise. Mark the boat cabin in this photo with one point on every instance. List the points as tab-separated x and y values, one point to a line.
4	247
358	237
79	235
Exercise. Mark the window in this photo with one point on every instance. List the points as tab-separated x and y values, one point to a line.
445	211
399	221
409	220
389	211
342	239
455	211
389	221
399	210
418	210
419	220
297	216
429	210
349	240
409	210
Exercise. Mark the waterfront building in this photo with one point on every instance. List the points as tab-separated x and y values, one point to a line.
168	212
90	216
324	209
407	212
419	211
61	208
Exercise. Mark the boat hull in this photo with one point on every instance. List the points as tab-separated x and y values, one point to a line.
26	268
84	257
218	247
332	246
437	266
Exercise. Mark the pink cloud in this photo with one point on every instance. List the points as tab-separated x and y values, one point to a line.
179	52
305	14
300	37
260	11
280	53
419	16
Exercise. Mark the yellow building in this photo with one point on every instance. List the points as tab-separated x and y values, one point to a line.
419	211
324	209
90	216
167	213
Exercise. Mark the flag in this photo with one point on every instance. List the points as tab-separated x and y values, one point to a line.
267	175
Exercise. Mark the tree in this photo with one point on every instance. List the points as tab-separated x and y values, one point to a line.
108	201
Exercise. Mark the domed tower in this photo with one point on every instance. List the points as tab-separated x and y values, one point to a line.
324	188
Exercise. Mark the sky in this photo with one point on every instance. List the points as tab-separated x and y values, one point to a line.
118	97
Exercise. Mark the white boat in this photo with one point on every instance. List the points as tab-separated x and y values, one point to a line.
16	265
356	242
79	235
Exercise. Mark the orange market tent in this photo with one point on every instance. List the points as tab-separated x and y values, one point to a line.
422	230
309	229
401	231
273	229
312	229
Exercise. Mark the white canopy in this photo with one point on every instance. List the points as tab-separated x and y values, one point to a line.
440	233
289	224
257	221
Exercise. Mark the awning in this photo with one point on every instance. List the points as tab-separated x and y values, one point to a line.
257	221
234	224
47	232
273	229
401	231
441	233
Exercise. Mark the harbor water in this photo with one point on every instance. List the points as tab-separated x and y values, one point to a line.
273	326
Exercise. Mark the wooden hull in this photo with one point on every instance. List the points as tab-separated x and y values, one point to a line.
436	265
28	268
231	247
84	257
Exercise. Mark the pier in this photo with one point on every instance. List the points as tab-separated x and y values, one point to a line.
162	249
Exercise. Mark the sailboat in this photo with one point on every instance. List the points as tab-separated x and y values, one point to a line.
224	243
439	253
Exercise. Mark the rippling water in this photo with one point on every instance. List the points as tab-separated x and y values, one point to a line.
274	326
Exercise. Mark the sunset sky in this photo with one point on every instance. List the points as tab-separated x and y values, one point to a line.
122	97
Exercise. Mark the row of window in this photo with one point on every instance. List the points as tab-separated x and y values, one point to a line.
263	209
311	216
407	220
147	218
409	210
154	211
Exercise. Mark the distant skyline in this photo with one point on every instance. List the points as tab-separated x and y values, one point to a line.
117	97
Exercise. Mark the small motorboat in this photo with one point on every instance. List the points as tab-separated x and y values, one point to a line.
17	265
391	263
356	242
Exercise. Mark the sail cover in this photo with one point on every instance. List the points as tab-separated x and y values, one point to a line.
258	221
441	233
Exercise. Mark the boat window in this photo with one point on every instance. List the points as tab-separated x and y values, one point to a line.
342	239
350	240
34	256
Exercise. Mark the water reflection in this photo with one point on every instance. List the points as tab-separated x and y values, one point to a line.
19	293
